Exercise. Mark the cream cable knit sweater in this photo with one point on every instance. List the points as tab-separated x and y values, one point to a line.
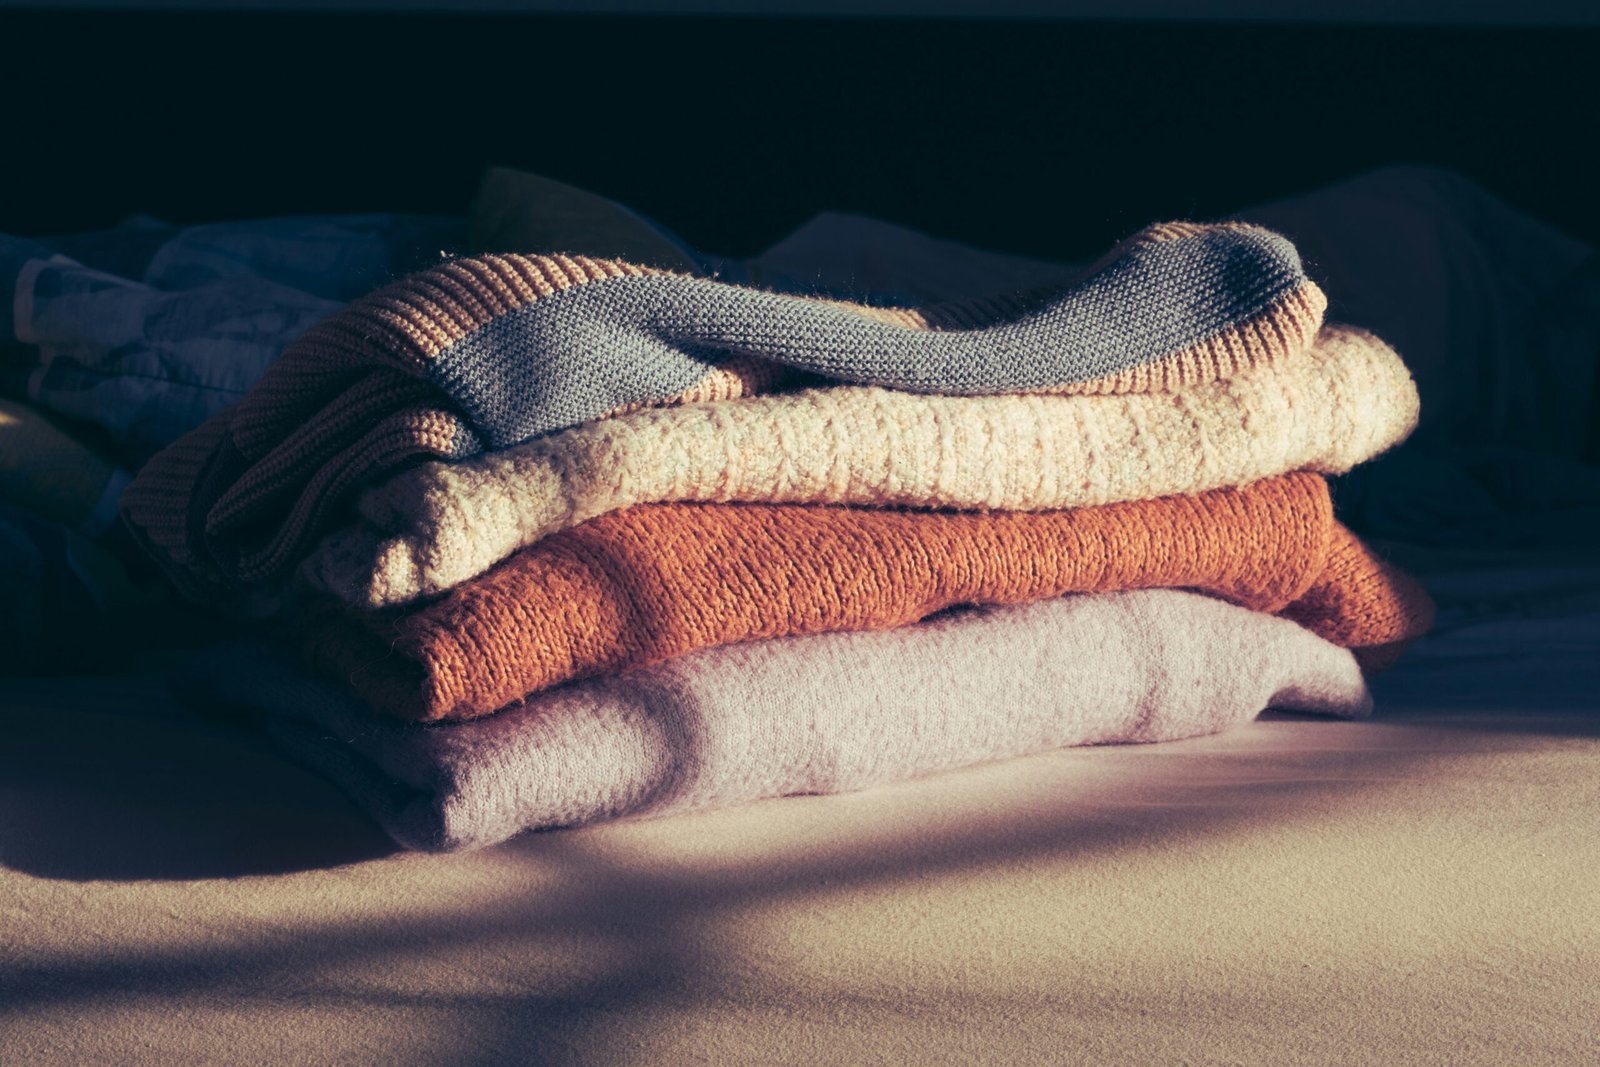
1343	401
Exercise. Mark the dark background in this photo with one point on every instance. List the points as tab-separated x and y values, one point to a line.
1048	136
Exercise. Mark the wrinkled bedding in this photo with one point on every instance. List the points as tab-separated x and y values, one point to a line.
148	329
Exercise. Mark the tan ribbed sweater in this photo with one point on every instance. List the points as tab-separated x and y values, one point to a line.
648	583
1326	409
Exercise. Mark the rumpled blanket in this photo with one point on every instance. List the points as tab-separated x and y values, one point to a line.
1496	313
1498	317
642	585
487	352
817	715
1341	402
148	329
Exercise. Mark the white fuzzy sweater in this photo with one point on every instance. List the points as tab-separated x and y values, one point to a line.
821	714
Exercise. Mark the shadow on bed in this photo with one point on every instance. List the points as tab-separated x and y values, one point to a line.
104	778
617	919
109	779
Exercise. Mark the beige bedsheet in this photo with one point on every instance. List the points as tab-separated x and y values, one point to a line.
1422	888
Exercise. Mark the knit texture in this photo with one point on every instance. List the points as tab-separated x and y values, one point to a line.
640	586
1341	402
488	352
815	715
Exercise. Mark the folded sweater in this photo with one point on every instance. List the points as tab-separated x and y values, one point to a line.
488	352
1337	404
823	714
642	585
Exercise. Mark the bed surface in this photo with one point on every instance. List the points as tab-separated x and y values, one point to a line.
1421	886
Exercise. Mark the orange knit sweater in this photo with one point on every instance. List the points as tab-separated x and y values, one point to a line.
648	583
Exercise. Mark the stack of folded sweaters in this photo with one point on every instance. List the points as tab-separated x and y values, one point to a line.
574	538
